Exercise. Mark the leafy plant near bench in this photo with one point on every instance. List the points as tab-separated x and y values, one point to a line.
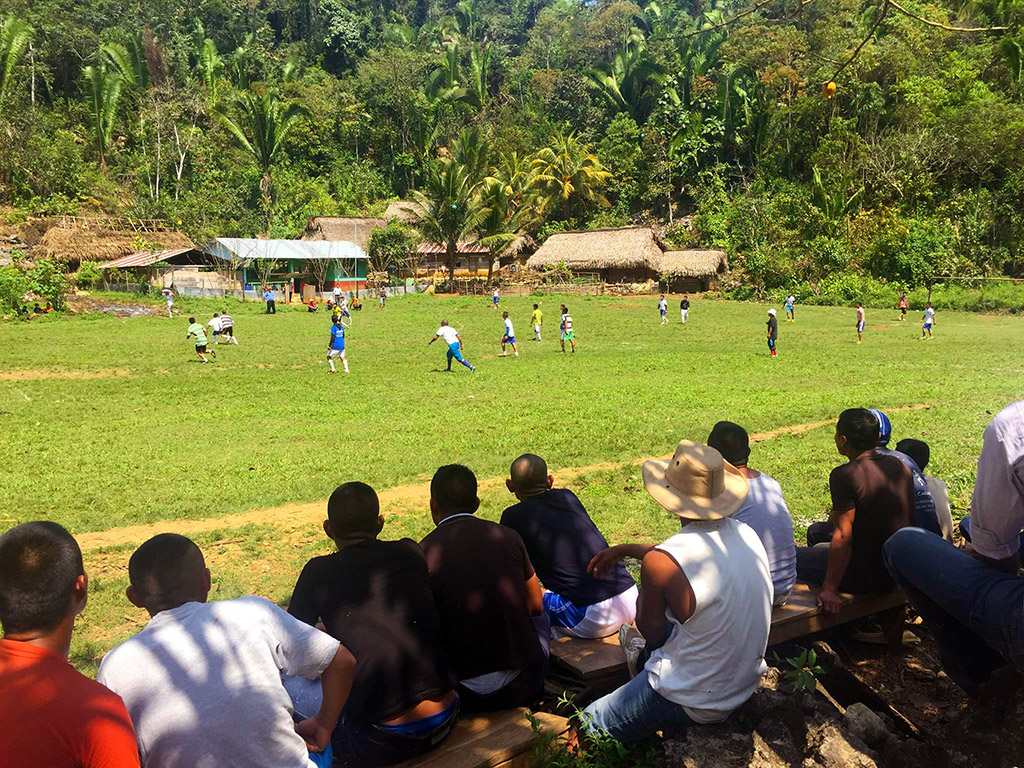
803	670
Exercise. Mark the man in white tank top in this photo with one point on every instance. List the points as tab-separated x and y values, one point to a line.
705	604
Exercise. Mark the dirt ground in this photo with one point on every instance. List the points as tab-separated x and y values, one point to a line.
31	375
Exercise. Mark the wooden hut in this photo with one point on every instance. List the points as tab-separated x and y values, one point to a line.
336	229
690	271
622	254
405	211
74	239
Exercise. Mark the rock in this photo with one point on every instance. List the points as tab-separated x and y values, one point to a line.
865	724
771	680
710	747
835	749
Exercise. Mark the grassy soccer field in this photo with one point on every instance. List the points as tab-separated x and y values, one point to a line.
112	427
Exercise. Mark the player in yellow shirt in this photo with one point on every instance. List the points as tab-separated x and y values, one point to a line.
536	320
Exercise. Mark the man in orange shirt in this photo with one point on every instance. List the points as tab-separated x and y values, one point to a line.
50	715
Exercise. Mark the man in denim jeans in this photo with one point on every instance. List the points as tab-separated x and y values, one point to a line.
705	605
974	602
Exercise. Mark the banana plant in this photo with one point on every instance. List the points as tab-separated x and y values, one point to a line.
15	37
836	206
104	88
211	68
129	61
631	81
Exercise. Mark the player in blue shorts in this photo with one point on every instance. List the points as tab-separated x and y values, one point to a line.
663	309
861	322
495	296
454	341
336	345
508	337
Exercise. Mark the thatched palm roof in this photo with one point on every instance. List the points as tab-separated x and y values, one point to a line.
81	243
691	263
405	211
619	248
352	229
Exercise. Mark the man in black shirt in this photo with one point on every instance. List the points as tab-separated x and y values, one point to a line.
684	308
773	332
374	596
561	540
487	596
872	498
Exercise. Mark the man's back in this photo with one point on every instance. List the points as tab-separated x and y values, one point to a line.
561	540
53	716
766	512
202	683
375	598
880	489
478	572
997	505
925	513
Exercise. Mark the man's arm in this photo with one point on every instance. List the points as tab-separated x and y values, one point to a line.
663	585
432	340
600	565
336	684
534	596
461	342
838	559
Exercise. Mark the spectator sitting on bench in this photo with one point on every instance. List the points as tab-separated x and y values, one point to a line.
487	596
561	540
872	498
764	509
920	453
973	604
50	714
375	597
203	681
705	605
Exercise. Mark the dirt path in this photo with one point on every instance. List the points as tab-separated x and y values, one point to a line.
290	517
31	375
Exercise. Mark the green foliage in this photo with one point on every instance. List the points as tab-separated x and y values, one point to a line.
13	287
803	670
15	36
596	750
88	275
48	281
390	247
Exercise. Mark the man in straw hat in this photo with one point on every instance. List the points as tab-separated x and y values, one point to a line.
705	604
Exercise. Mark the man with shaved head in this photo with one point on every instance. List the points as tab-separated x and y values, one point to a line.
561	540
202	681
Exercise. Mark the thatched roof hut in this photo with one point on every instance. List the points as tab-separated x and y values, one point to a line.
353	229
691	263
405	211
80	241
601	250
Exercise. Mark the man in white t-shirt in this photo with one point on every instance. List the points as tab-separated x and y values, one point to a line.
168	295
337	295
454	341
202	681
705	605
565	329
508	337
663	309
764	509
929	321
214	326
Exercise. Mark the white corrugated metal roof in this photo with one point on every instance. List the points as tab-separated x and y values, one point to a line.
248	249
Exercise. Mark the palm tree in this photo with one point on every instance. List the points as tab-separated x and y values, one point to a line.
104	94
565	173
448	208
15	36
500	220
211	68
261	126
129	61
630	83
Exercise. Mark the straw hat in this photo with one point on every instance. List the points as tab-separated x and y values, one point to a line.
696	484
771	311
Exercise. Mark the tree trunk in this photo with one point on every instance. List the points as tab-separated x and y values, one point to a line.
451	263
490	266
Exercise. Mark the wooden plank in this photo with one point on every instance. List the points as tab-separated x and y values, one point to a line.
589	659
487	740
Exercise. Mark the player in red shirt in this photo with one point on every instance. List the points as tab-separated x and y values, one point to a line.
51	716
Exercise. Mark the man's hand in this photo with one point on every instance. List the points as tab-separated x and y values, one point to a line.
602	563
316	736
829	601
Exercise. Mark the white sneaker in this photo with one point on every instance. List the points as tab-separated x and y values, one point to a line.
632	643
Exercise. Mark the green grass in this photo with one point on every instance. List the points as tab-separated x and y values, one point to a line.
265	425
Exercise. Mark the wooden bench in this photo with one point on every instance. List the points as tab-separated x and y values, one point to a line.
600	663
493	740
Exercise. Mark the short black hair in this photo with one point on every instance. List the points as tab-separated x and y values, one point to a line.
39	565
166	571
918	450
353	508
860	427
536	306
191	319
730	440
453	487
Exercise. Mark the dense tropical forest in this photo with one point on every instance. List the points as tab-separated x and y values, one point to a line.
812	139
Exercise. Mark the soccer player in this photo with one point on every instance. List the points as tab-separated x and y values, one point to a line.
495	296
343	307
861	322
336	345
214	325
197	330
509	337
454	341
663	309
929	321
773	332
790	308
336	293
169	298
383	294
903	305
537	319
684	309
565	329
227	327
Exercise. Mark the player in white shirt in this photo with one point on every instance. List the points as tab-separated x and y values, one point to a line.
227	328
929	321
509	337
214	325
565	329
454	341
861	323
168	295
663	310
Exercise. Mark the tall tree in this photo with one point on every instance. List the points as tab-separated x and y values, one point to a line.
448	209
261	124
15	36
566	174
631	82
104	89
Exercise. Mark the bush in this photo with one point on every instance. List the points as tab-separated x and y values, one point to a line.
47	281
13	287
88	275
